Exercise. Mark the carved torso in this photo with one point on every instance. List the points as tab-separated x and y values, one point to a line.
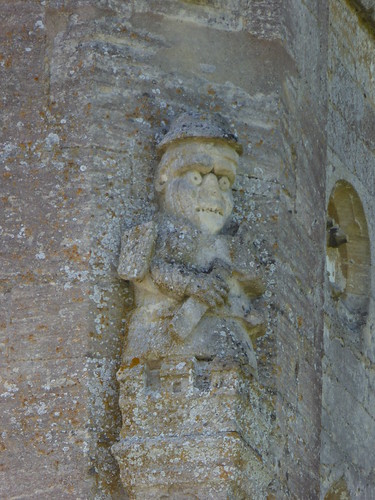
182	253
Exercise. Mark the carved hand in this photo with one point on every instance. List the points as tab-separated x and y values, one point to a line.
221	269
208	288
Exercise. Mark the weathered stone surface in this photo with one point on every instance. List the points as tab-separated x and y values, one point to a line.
204	436
348	407
189	352
87	90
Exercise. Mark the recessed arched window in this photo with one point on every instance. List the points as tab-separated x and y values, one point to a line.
347	302
348	255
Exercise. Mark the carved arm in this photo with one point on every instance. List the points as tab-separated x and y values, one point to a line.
182	281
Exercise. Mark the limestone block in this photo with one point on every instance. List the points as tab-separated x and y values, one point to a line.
198	466
189	362
186	425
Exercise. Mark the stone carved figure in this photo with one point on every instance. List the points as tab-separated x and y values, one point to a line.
194	282
188	366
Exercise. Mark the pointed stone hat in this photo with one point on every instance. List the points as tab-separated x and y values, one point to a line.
204	126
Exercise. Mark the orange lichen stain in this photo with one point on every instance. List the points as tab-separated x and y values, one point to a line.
8	62
134	362
28	277
87	108
42	327
274	218
7	175
263	358
73	254
258	144
300	397
299	321
210	90
275	246
224	474
277	370
31	338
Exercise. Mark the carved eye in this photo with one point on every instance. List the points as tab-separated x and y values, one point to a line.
224	183
195	177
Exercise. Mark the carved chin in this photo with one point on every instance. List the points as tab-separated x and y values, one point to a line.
211	220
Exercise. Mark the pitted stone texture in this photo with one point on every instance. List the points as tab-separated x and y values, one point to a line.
194	307
82	112
100	82
189	429
349	343
200	126
261	18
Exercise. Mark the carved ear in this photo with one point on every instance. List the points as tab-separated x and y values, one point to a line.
160	183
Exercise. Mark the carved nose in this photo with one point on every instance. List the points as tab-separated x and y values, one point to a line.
211	183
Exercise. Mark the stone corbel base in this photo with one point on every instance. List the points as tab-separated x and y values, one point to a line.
202	466
188	430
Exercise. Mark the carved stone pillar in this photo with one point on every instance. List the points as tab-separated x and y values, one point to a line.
189	368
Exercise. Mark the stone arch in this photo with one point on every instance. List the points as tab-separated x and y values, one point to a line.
348	255
338	491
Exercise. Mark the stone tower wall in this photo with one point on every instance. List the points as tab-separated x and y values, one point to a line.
348	408
87	89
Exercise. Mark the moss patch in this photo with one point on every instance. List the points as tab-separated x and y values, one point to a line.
365	16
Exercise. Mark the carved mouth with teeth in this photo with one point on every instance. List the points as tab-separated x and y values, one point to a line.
217	211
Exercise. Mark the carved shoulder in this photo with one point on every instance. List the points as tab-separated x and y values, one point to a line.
176	241
137	245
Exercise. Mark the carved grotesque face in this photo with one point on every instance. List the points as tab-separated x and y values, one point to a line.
195	180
